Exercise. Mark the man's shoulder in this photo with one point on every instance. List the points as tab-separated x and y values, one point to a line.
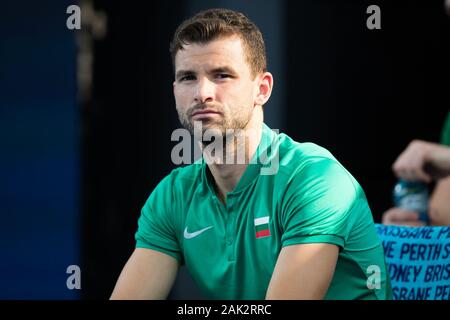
182	178
308	165
189	172
295	156
181	183
313	179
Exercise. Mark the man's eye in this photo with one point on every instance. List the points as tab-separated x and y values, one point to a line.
223	75
187	78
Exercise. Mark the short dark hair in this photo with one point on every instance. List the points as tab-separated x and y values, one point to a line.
213	24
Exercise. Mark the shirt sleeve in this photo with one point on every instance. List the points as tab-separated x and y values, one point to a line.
156	229
318	204
445	135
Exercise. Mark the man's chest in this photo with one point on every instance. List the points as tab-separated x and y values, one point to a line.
236	241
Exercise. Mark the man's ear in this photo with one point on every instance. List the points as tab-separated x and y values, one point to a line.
264	88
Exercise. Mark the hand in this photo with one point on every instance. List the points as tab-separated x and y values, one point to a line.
401	217
423	161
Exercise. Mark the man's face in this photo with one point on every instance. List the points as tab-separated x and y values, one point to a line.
214	85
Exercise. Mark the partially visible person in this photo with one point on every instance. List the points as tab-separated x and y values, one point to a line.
423	161
427	162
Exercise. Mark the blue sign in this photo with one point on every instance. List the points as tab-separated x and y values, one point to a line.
418	260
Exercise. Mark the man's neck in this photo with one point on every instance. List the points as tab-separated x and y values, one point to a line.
227	176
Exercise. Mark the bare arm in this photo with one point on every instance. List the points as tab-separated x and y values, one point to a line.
401	217
424	161
440	203
439	209
148	274
303	271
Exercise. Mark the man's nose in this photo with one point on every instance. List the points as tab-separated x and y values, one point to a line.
204	91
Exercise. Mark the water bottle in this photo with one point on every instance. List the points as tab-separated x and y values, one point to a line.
413	196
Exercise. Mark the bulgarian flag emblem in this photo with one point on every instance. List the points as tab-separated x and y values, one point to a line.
262	227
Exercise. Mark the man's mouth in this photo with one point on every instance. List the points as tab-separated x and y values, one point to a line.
204	113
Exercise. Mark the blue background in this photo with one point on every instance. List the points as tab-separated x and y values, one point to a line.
39	165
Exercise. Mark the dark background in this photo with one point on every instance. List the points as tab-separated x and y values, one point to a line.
76	172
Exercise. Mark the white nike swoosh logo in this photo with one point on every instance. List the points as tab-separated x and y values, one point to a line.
188	235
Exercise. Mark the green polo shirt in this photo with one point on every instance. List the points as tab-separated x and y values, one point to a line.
445	135
231	250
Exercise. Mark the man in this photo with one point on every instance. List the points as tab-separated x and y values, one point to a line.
425	161
301	231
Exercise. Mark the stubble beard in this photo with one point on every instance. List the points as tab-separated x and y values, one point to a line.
217	126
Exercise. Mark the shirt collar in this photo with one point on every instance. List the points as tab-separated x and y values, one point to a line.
261	157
